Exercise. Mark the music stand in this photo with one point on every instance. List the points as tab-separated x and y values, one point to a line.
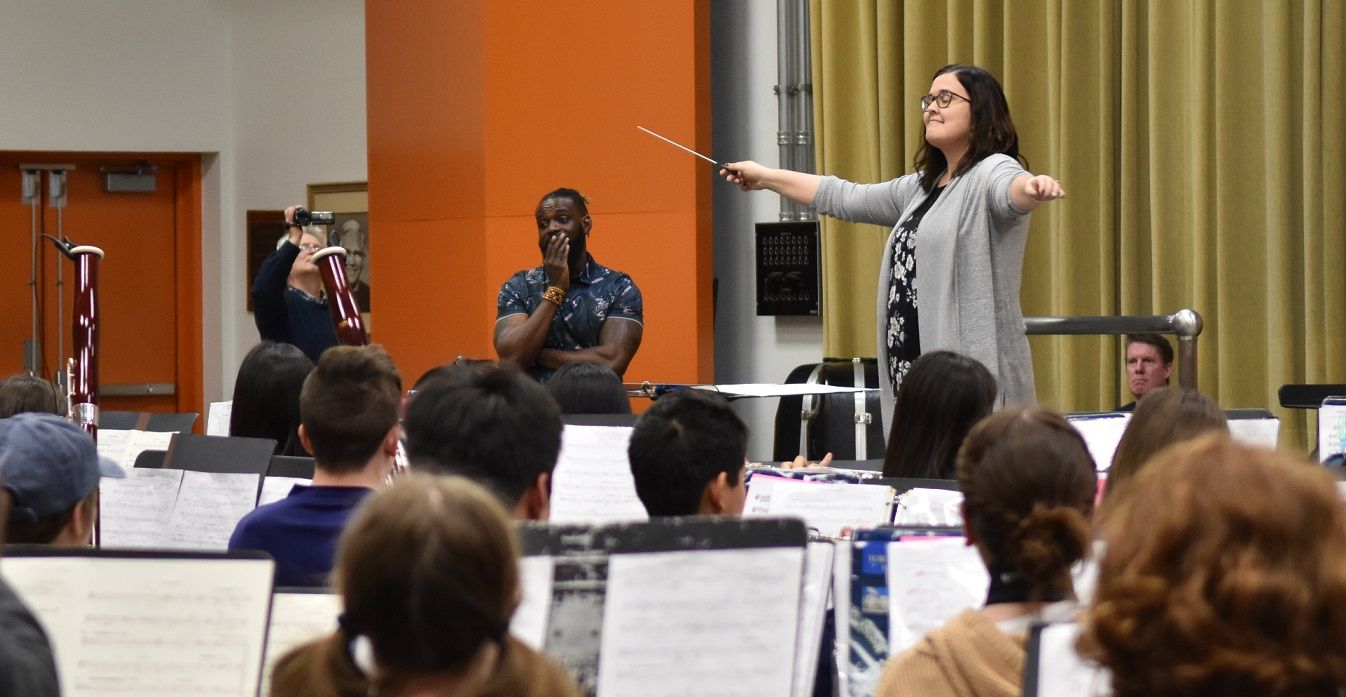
226	454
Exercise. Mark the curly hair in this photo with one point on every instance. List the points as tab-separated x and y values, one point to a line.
1225	574
1028	487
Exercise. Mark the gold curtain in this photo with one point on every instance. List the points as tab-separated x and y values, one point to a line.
1201	146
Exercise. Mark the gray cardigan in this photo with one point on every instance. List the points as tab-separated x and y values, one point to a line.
969	263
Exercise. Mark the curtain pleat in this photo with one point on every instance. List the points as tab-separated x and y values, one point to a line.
1201	146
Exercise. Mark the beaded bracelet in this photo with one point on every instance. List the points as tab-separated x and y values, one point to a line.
554	294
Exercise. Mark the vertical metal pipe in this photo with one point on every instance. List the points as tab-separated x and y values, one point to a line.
805	160
1187	361
785	92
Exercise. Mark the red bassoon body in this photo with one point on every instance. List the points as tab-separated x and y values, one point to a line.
350	325
83	364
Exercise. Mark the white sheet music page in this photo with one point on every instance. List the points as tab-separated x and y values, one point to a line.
930	581
1263	433
929	508
1062	672
529	623
124	446
296	619
1101	434
709	623
277	488
217	418
812	615
592	482
150	627
209	506
1331	428
134	512
828	507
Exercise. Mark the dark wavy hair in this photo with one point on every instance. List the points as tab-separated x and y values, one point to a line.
1224	574
1028	487
941	397
992	130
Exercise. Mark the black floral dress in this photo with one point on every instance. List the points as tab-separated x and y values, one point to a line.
903	336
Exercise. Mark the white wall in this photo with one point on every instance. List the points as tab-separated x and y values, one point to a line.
272	92
270	113
749	348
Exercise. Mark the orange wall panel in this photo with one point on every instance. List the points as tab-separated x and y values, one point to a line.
550	98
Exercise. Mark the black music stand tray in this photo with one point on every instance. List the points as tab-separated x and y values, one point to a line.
147	421
1308	396
233	454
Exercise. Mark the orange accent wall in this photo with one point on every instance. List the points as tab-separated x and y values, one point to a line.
478	107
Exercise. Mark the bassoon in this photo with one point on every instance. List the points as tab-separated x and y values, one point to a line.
350	326
82	367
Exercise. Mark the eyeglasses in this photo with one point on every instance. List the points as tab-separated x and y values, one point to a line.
310	248
943	98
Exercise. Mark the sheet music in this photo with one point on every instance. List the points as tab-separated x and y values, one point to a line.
1331	428
818	564
296	619
134	512
1101	434
929	582
277	488
217	418
828	507
530	619
1061	671
209	506
709	623
149	627
1259	432
929	507
786	390
123	446
592	482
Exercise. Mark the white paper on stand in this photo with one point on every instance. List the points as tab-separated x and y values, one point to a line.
134	512
1331	428
812	614
828	507
209	507
1060	669
921	507
277	488
592	482
529	624
1101	434
1263	433
296	619
930	581
217	418
124	446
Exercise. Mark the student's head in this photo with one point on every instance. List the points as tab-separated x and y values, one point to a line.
24	393
497	427
941	397
428	576
266	395
687	454
1028	493
348	407
1168	415
1149	363
588	388
1224	574
50	469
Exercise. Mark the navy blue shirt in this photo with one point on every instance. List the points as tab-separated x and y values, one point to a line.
300	531
595	295
286	314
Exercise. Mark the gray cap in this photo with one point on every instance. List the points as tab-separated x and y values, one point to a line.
48	465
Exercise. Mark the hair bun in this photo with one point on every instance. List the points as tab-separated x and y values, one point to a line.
1047	541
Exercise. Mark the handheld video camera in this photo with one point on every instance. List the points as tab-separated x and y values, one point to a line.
303	217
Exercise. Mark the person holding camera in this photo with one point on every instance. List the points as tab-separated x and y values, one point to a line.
287	295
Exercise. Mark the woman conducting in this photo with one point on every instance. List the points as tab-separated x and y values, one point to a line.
950	275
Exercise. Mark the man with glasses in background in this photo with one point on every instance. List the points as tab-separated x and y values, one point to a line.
287	295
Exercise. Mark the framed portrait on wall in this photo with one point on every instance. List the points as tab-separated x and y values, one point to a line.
350	230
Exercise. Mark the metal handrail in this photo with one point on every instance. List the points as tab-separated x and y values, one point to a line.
1186	324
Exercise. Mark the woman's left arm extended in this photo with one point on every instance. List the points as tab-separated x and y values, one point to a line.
1028	191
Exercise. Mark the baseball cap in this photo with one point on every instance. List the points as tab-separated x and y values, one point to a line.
48	465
